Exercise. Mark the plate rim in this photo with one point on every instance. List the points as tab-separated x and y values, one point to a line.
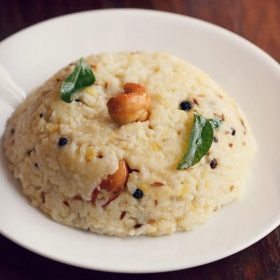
274	223
140	10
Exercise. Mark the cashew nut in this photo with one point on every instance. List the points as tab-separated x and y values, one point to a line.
114	183
130	106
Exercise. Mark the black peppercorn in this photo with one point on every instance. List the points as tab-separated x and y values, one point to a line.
62	141
213	163
216	140
138	194
185	105
41	115
233	131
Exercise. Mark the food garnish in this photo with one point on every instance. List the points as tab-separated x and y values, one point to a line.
186	105
130	106
215	122
62	141
138	194
213	163
81	77
114	183
201	138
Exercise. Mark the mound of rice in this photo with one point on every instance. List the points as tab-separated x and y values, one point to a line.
60	180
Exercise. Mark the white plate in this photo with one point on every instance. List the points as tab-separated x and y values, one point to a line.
246	72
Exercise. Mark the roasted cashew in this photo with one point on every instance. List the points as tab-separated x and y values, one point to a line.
114	183
130	106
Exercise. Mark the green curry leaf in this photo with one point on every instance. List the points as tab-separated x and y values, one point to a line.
215	122
81	77
201	139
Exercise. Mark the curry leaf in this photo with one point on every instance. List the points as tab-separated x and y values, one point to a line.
201	139
215	123
81	77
